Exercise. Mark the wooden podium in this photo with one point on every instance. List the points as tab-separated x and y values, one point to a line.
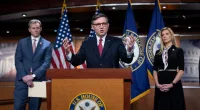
112	86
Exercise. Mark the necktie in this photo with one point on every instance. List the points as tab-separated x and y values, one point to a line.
100	46
34	45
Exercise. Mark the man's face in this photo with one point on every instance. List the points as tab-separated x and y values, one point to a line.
35	29
100	26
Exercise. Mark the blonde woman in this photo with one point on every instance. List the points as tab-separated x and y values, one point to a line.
168	70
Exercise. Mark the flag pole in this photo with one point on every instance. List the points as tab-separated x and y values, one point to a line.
159	5
98	4
64	6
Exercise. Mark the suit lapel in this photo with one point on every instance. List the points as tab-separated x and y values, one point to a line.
29	46
95	47
39	45
106	46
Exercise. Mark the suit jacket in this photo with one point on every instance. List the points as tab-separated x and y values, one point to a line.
175	59
113	51
39	61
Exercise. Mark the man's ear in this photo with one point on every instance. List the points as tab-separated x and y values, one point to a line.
28	29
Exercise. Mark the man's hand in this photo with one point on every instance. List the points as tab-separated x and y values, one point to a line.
27	78
66	46
129	41
30	83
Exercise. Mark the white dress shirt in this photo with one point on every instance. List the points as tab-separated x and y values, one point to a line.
37	40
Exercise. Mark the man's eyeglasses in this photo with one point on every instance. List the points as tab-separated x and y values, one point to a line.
99	24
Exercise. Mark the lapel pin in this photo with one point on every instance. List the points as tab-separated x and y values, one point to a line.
40	43
172	49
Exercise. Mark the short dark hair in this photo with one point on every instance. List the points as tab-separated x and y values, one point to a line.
99	15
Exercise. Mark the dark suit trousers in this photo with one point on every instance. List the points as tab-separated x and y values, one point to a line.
21	98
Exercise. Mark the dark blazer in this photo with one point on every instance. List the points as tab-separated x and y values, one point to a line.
113	51
39	61
175	59
25	59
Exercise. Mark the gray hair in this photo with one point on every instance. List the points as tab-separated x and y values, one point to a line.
33	21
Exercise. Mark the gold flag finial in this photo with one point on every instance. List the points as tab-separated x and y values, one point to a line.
98	4
64	6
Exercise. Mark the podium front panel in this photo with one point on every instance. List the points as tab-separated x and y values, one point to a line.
66	93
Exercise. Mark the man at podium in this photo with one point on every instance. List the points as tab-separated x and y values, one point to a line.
102	50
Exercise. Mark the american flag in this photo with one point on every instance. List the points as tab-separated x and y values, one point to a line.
58	54
92	33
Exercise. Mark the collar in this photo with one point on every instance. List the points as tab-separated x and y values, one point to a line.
103	38
172	48
168	47
37	38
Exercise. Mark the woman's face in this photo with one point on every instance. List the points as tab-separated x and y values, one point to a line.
166	36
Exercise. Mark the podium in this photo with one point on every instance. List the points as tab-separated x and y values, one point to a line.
108	87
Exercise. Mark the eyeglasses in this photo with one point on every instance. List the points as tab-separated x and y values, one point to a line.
100	24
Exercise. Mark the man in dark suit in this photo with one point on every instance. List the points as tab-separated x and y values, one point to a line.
32	59
101	51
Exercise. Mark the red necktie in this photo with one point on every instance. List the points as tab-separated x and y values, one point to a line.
100	46
34	45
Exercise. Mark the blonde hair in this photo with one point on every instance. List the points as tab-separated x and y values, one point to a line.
172	37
